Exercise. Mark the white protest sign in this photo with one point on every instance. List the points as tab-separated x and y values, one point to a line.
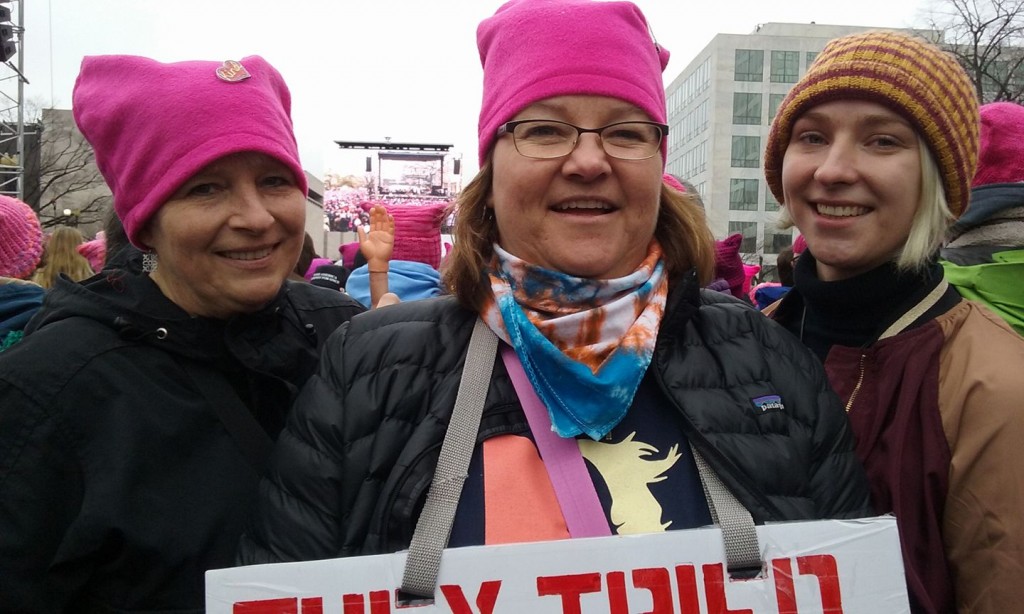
829	566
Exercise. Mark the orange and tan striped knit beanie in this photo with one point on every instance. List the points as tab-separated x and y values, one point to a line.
912	77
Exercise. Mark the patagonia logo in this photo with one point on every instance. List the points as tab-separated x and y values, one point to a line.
767	403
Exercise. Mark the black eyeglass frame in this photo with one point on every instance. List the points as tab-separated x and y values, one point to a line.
509	128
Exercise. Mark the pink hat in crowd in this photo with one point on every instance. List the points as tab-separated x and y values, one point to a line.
536	49
799	245
418	232
1001	157
672	182
315	264
347	251
21	239
154	125
95	251
729	263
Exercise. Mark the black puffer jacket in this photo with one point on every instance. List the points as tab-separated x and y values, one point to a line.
119	487
351	469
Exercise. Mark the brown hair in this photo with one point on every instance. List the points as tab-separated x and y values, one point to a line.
306	256
682	230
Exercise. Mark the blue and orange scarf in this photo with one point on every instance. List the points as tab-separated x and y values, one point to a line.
585	344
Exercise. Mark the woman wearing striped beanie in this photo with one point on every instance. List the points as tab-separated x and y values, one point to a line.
872	154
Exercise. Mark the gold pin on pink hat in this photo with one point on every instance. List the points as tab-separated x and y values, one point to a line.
232	72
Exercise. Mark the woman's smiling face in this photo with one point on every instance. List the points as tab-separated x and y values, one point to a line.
851	178
229	236
585	214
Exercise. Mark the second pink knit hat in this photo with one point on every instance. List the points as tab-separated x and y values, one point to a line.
537	49
1001	158
21	238
153	125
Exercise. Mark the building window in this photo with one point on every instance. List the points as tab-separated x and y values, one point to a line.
776	242
693	161
749	232
774	100
770	204
785	66
749	65
746	108
746	151
743	195
811	56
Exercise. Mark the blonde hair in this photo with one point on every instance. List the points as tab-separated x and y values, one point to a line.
682	230
931	219
61	256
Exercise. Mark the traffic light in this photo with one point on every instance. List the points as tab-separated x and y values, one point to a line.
7	46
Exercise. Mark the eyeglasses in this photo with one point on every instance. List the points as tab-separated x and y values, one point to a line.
547	138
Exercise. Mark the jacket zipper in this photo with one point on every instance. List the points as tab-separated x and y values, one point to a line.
860	380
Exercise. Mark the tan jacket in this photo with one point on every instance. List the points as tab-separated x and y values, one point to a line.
981	402
938	414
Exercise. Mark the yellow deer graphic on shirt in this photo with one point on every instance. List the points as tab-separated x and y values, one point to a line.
627	468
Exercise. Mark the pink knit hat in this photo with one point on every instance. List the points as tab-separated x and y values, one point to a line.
154	125
799	245
315	264
537	49
729	263
1001	157
95	251
418	232
673	182
21	239
348	253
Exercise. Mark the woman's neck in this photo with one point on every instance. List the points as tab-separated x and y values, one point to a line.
854	311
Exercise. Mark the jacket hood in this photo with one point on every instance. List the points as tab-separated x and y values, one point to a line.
409	280
135	307
18	302
988	201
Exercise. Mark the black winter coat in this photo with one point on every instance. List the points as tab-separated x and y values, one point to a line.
351	470
119	487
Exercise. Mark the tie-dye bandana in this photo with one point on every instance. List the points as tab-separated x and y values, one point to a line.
585	344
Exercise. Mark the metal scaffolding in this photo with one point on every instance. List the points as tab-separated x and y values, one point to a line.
12	111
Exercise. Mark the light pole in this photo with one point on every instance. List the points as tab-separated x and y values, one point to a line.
71	215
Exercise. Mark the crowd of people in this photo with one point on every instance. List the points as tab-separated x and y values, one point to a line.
198	388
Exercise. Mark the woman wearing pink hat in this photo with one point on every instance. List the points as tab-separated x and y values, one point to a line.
21	247
137	414
572	252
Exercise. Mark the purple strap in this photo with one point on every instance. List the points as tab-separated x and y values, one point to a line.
574	489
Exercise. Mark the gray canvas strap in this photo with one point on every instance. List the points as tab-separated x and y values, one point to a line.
435	522
434	525
742	553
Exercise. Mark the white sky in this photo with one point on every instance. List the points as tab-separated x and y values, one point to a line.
405	69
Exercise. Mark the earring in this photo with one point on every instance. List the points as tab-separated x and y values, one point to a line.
149	261
488	214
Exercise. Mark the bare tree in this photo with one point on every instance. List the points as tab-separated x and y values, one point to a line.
70	189
60	172
987	36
